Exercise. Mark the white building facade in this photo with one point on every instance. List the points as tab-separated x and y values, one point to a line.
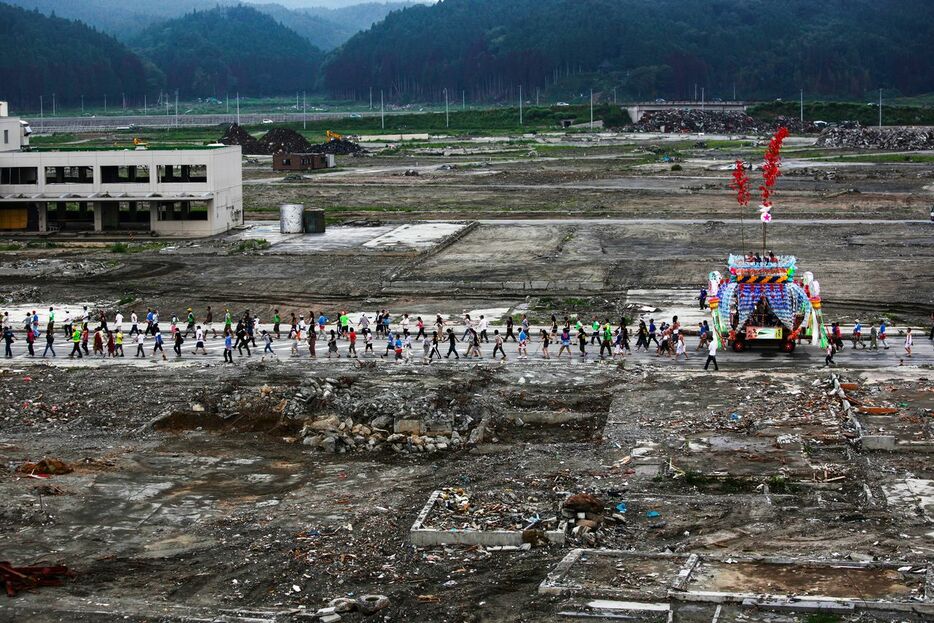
175	192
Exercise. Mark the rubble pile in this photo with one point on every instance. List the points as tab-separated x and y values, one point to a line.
338	147
458	509
236	135
854	136
584	513
337	417
674	121
284	140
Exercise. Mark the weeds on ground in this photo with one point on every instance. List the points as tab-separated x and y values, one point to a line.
248	246
123	247
10	246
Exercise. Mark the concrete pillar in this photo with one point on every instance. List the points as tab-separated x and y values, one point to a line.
98	217
43	212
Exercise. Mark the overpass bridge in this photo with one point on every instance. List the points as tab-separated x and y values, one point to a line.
638	109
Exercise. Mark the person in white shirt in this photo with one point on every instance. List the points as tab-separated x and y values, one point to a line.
483	325
134	323
118	321
909	341
405	325
712	354
140	338
199	341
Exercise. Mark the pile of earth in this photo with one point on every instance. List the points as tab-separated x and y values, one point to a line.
675	121
854	136
284	140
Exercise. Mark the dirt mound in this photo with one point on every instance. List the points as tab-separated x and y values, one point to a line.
855	136
284	140
340	147
236	135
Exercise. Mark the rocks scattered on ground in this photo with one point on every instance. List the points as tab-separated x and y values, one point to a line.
854	136
675	121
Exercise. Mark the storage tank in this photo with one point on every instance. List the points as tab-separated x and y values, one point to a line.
314	221
291	218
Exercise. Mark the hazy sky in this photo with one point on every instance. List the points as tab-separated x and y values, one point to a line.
331	4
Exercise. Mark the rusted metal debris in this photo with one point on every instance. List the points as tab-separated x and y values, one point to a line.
16	579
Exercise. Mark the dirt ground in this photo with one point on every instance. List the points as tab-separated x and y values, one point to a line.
264	490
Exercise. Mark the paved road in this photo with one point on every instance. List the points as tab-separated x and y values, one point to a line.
806	356
81	124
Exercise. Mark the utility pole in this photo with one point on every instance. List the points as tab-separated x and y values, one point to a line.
614	96
238	107
371	98
702	98
695	91
105	103
382	111
802	105
176	108
227	102
880	109
41	113
591	110
304	108
463	99
536	96
82	103
734	91
123	96
145	105
53	104
520	104
447	117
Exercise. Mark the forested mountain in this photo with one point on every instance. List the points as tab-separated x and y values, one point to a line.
325	28
230	49
644	48
42	55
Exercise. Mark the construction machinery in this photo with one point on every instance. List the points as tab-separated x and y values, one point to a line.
334	136
760	301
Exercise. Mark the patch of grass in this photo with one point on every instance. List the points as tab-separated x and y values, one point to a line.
248	246
822	617
677	167
126	300
123	247
10	246
41	244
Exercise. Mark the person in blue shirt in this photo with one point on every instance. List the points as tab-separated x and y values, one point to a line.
322	323
858	335
882	335
158	345
228	347
652	331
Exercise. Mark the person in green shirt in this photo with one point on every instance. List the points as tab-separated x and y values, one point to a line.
76	341
344	324
276	320
190	323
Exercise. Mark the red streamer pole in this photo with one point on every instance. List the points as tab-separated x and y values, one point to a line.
740	184
771	170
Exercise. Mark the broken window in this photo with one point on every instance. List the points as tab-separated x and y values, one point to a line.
182	211
69	175
125	174
19	175
183	173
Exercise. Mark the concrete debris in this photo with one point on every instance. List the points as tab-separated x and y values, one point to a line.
459	509
854	136
675	121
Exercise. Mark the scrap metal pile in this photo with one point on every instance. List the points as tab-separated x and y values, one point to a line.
17	579
675	121
458	509
855	136
284	140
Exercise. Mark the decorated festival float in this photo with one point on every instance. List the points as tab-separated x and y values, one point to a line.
760	299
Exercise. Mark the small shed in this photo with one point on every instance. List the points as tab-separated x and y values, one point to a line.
302	162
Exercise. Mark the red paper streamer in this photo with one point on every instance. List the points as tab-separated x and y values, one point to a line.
740	184
770	168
